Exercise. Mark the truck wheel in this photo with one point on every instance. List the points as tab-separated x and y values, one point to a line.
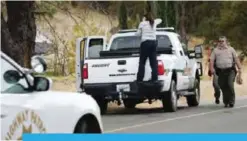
194	100
102	104
129	104
169	99
82	127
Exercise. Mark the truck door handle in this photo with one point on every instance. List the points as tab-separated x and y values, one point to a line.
121	62
3	115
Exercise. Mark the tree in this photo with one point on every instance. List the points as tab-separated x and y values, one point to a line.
161	12
123	16
8	45
223	18
171	19
232	23
151	7
19	31
182	22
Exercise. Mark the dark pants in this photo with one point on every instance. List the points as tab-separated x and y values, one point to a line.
216	86
226	82
148	50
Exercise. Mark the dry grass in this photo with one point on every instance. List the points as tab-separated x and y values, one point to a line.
63	22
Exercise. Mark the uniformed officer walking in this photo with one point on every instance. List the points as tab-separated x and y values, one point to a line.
216	86
225	58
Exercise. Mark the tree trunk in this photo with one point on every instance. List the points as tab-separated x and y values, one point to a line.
166	13
161	12
151	7
183	22
171	19
9	47
123	16
176	7
22	27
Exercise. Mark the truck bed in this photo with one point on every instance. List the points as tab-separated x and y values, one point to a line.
115	66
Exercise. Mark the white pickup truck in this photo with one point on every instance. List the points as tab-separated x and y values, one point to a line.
108	73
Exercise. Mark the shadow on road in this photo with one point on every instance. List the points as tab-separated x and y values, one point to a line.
158	110
137	111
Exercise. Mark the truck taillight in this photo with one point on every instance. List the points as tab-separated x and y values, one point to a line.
85	71
161	68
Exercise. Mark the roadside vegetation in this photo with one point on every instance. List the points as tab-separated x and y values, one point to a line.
62	22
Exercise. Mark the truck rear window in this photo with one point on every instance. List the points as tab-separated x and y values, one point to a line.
95	46
134	42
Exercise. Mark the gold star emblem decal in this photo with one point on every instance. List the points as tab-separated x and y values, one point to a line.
25	130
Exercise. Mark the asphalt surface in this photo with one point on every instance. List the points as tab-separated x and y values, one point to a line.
206	118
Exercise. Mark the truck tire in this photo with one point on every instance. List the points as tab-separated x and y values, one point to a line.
194	100
130	104
87	124
169	99
103	104
82	127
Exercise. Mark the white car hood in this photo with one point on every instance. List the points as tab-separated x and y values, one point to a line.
61	94
65	98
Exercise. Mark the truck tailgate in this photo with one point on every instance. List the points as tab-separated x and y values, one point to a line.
114	70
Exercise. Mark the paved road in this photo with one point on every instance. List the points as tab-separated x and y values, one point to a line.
208	117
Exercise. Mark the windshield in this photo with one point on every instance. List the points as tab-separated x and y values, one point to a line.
20	87
133	42
95	46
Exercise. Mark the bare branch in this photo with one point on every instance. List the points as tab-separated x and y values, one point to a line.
244	13
52	28
68	13
40	12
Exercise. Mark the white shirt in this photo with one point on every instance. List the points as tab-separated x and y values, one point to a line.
146	31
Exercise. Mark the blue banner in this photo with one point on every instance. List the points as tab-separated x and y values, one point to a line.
135	137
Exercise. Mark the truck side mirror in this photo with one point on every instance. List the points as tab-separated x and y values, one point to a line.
38	64
12	76
198	51
191	54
